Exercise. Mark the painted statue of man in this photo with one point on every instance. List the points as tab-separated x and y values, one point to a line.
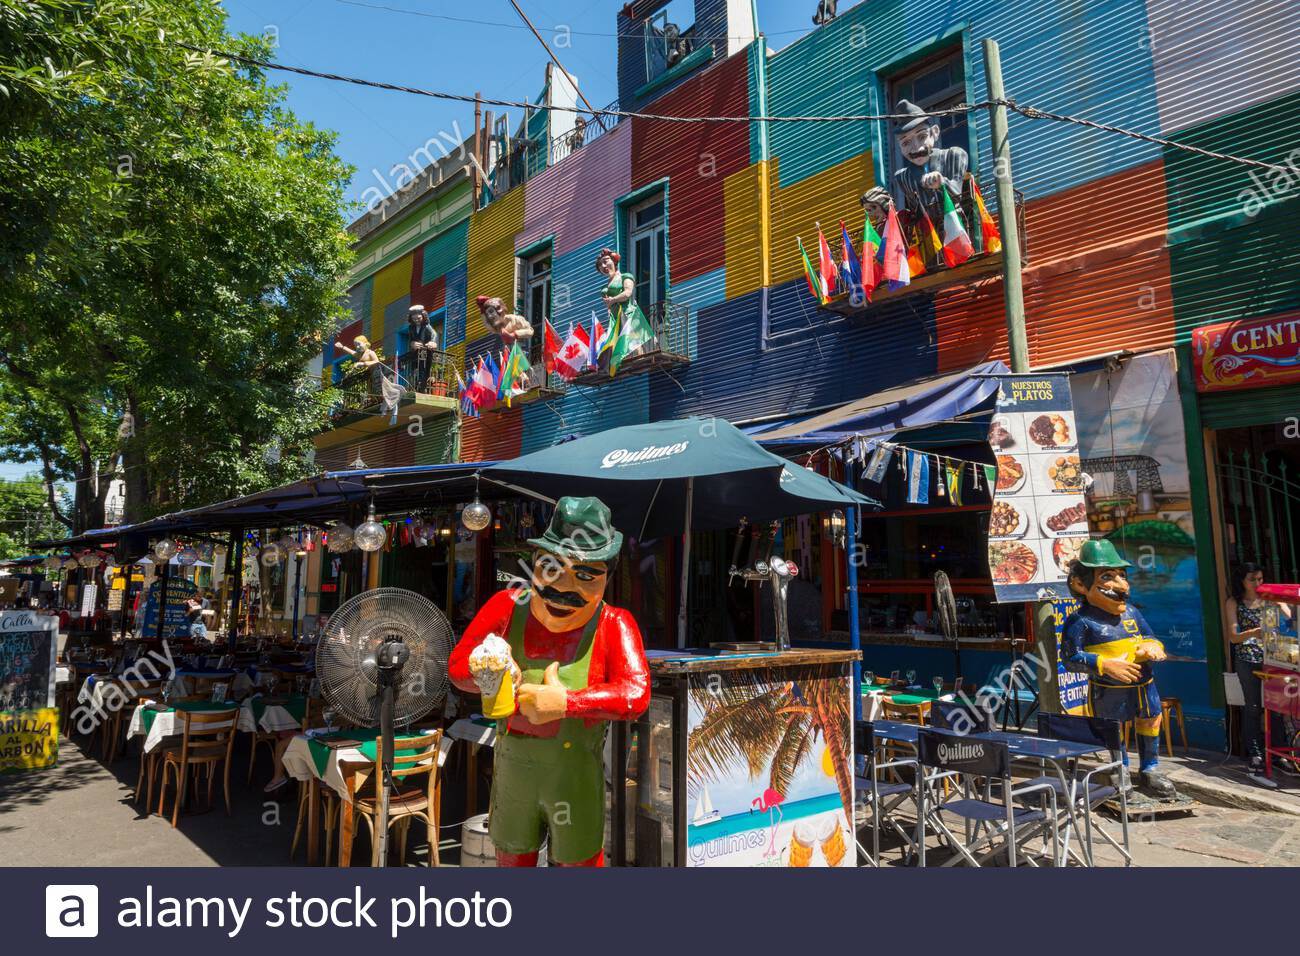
509	326
578	664
928	168
1113	644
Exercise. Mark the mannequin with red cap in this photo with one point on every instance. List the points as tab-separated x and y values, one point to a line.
509	326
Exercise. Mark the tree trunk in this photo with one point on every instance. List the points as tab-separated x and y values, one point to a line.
135	474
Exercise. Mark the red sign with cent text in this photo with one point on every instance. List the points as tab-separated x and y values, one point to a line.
1251	353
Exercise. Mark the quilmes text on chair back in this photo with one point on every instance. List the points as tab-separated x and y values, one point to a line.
975	756
1081	730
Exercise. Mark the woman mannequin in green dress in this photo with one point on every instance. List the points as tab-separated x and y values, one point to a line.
628	323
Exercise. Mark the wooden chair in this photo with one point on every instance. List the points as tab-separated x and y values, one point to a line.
905	713
1171	709
312	718
115	724
260	737
409	802
206	742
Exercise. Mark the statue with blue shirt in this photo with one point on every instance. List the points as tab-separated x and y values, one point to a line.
1113	644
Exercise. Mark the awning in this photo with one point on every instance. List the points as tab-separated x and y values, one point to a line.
929	401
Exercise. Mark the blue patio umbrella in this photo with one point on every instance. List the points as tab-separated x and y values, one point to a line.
674	477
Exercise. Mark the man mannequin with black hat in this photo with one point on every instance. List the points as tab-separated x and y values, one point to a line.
928	167
579	664
423	340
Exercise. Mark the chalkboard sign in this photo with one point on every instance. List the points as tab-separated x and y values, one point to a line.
177	624
27	651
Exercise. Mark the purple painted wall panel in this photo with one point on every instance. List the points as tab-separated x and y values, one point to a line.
574	199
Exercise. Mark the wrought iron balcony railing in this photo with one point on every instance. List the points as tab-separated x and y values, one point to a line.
428	373
669	345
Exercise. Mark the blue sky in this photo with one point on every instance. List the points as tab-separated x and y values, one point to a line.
435	48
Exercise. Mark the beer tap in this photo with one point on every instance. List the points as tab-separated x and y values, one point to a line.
775	571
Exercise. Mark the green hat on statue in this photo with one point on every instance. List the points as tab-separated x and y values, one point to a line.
1100	553
581	528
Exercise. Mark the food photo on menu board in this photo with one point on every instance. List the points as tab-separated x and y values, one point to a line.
1039	519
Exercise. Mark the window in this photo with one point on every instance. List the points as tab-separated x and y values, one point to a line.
537	300
647	241
668	36
938	83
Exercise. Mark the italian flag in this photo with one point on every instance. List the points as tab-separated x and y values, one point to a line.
814	281
957	247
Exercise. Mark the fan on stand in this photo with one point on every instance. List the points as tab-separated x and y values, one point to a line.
381	662
945	610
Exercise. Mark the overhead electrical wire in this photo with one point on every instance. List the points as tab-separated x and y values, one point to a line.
1029	112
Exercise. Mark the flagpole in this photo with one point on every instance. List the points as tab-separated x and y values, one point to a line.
686	565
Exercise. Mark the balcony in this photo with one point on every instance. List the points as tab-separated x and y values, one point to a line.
937	273
540	388
427	389
583	133
669	346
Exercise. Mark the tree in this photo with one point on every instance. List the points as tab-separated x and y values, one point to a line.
24	516
178	256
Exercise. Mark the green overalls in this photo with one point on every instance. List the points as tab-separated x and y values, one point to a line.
552	783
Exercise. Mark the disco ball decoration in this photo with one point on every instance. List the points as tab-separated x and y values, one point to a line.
271	555
188	556
90	560
340	538
370	535
165	549
476	516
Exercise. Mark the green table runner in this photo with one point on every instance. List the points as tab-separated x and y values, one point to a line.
917	696
320	753
193	706
295	706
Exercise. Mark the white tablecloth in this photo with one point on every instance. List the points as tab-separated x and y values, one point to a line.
274	718
298	763
63	674
165	724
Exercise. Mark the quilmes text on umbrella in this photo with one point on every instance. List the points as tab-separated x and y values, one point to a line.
620	457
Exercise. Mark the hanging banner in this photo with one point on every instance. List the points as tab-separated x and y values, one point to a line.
29	722
89	593
1039	519
1247	354
176	625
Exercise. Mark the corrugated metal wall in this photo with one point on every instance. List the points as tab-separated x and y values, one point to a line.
491	255
696	159
574	200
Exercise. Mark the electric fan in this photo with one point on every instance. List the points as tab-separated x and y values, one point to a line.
945	609
382	661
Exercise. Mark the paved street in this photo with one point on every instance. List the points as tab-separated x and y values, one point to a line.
80	814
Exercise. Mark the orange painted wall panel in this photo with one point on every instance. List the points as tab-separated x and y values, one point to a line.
492	437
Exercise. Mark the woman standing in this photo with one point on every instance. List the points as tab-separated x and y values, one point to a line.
1245	611
628	328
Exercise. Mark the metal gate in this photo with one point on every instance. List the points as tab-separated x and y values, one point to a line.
1260	498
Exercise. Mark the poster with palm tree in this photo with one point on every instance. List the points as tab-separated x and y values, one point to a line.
770	767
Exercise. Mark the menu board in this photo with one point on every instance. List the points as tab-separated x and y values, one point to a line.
177	623
1039	519
29	723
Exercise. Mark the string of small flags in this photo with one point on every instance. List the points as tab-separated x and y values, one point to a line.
918	467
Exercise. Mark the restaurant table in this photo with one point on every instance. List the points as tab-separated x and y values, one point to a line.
1063	755
310	759
157	721
272	716
873	698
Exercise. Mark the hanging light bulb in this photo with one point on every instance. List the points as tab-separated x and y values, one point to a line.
370	535
188	556
165	549
340	538
476	516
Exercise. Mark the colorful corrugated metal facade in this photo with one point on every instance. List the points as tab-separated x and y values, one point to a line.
1128	245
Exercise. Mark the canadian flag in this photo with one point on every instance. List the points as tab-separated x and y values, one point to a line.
574	355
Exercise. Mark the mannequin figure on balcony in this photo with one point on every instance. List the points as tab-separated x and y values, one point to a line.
509	326
629	330
876	203
929	167
423	341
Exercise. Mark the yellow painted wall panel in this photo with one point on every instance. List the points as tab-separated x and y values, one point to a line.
391	283
827	197
491	257
742	194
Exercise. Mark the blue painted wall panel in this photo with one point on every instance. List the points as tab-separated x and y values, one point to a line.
586	411
696	294
446	252
576	285
457	278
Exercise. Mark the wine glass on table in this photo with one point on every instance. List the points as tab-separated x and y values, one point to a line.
911	678
937	681
869	678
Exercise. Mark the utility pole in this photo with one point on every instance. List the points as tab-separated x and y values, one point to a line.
1012	285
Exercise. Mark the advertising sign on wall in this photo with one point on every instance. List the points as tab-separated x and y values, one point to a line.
176	625
1039	519
770	769
1247	354
1072	687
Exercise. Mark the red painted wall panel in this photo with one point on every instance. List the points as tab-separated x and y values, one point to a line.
696	158
493	437
1096	281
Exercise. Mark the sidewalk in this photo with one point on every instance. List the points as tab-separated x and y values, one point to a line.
1219	780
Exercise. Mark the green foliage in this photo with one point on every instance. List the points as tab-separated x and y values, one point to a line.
178	255
24	516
